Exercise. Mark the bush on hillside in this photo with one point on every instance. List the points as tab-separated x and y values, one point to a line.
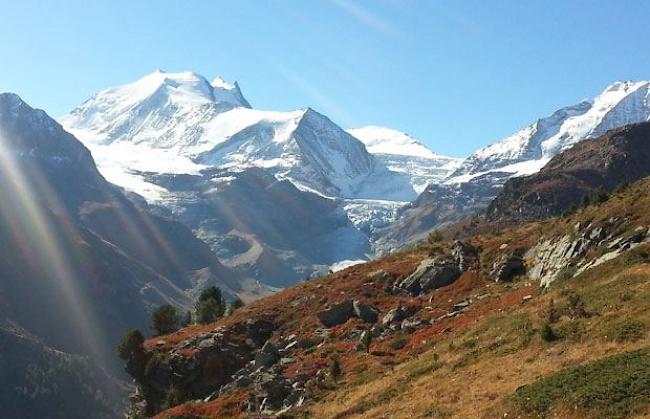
628	330
210	306
435	236
164	320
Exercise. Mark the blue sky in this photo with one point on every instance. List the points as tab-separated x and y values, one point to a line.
456	74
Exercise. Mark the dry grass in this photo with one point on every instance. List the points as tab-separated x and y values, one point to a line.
465	366
476	378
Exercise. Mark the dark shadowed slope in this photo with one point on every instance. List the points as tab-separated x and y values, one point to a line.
619	157
80	264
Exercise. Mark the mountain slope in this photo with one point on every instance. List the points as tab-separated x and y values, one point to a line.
263	227
619	157
584	276
80	263
528	150
482	175
404	154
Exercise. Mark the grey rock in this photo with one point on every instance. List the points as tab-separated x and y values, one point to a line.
243	381
431	274
294	398
207	343
376	331
507	267
464	254
597	233
365	312
336	314
395	315
267	356
461	305
379	275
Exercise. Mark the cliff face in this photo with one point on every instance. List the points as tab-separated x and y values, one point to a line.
620	156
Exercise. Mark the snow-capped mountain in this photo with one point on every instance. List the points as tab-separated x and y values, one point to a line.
481	176
181	123
404	154
243	179
528	150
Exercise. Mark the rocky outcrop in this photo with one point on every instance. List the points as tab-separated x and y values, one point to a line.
343	311
507	267
431	274
620	156
194	368
464	254
566	256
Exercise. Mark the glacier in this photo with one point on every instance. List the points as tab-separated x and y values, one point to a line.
197	151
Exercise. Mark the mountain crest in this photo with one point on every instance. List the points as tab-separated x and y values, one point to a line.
525	152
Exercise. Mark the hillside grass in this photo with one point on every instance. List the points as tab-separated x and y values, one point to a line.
498	363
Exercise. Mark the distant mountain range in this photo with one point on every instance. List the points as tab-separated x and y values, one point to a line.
208	191
279	196
478	179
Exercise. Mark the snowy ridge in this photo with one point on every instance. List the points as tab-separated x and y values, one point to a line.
527	151
160	109
187	124
380	140
404	154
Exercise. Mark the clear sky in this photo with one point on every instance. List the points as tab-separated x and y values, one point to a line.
455	74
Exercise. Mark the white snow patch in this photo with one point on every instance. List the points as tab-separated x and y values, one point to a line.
344	264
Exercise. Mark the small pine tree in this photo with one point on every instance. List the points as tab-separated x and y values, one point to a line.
576	306
547	333
621	187
164	320
236	304
210	306
598	196
435	236
131	343
131	349
552	313
335	369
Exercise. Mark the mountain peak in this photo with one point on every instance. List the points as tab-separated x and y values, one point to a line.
381	140
9	98
188	87
625	85
621	103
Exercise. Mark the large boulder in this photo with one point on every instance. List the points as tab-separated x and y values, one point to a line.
464	255
431	274
336	314
365	312
273	390
507	267
395	315
267	356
